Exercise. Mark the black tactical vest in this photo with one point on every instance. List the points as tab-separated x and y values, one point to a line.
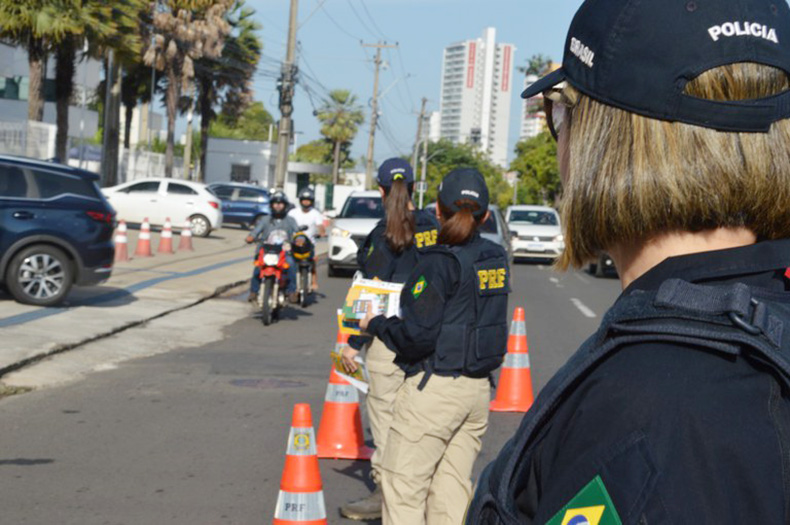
377	260
730	319
473	337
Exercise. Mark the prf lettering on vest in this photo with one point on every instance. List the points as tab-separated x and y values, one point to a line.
730	29
492	279
425	239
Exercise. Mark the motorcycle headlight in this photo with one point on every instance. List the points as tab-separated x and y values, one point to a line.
339	232
271	259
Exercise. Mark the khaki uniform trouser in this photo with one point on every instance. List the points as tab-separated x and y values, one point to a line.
385	379
432	445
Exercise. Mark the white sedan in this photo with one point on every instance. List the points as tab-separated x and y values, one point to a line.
159	199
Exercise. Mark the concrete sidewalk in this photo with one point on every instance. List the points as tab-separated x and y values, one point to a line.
138	291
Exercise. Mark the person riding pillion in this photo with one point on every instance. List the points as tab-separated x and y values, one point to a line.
276	228
390	253
451	337
672	120
306	216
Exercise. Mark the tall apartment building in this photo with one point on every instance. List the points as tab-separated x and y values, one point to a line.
533	118
477	87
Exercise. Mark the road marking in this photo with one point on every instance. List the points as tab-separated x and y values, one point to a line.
582	308
581	277
554	280
541	267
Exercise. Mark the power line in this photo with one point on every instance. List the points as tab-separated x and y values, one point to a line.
358	39
361	21
365	7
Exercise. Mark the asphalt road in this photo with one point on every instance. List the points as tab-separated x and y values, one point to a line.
197	435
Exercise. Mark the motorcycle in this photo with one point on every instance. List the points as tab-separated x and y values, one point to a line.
303	252
273	264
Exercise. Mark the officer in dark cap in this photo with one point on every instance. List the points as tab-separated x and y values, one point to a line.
451	336
673	123
390	253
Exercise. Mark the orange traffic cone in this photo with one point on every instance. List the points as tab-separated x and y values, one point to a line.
185	243
514	392
342	340
340	432
121	243
301	499
144	241
166	238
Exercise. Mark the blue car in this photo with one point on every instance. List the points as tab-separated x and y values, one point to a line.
242	204
55	230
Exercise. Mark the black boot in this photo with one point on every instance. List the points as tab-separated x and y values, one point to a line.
367	508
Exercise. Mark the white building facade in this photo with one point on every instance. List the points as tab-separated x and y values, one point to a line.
533	118
476	93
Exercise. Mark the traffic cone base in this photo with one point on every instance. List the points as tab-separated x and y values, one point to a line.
301	497
514	392
340	432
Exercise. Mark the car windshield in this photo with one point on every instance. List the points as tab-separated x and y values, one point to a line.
540	218
489	226
362	208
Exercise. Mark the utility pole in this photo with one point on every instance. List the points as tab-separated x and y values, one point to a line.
424	171
287	82
374	116
419	134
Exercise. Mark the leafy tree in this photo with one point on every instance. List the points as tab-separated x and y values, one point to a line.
228	78
445	156
538	172
315	152
536	65
185	30
340	117
252	124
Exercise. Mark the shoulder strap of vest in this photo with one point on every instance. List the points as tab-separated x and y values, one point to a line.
731	319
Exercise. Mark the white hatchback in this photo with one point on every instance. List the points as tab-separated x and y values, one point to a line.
159	199
536	232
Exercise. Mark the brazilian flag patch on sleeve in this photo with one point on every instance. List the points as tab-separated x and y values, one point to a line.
419	287
591	506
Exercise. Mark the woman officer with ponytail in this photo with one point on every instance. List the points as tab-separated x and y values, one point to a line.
450	338
389	253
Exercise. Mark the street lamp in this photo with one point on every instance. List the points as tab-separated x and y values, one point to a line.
425	159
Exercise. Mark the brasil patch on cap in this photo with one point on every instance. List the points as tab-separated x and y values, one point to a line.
591	506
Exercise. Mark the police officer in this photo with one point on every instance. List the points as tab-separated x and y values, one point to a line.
672	120
389	253
451	337
275	228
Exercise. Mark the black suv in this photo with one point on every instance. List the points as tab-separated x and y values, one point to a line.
55	230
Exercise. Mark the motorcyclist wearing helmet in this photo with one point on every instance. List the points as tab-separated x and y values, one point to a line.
306	216
275	228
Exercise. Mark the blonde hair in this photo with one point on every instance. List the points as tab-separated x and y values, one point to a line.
632	177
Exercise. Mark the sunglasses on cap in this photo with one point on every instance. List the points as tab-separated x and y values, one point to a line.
557	109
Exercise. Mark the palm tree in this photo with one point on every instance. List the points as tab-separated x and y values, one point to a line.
228	78
340	117
536	65
185	30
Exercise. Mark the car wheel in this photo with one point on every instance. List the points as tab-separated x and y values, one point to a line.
592	269
200	226
40	275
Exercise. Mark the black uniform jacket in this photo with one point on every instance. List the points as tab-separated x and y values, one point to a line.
413	336
716	428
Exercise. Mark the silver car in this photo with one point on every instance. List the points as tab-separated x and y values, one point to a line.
536	232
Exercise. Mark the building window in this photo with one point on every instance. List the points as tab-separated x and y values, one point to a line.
240	173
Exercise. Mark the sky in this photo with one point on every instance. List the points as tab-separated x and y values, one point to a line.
330	55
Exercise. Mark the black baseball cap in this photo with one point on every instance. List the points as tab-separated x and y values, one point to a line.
639	56
395	169
464	184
